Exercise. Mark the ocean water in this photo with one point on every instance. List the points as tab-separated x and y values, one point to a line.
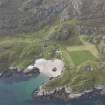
19	92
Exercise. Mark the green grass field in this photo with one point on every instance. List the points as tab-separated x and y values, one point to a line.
79	57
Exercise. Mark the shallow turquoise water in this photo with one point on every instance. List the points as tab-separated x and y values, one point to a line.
20	93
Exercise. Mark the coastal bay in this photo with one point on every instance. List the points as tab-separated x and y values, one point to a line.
20	93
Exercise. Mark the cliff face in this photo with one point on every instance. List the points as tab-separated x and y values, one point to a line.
31	15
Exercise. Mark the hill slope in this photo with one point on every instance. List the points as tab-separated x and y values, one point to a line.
31	15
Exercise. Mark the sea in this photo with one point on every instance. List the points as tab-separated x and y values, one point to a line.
17	90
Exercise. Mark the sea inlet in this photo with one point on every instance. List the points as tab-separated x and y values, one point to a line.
17	90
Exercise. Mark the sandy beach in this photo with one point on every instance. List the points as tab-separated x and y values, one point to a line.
51	68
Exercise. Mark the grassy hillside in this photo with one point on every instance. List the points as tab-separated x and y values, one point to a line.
23	49
18	51
75	50
83	69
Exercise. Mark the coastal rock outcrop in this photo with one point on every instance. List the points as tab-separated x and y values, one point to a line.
63	94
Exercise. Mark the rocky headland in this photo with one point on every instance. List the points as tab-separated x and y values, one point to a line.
63	93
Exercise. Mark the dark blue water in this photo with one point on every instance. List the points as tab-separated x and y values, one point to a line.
15	92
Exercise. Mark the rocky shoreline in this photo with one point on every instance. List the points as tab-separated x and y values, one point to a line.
63	93
14	70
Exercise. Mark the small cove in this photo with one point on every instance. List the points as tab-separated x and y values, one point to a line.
19	93
17	90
